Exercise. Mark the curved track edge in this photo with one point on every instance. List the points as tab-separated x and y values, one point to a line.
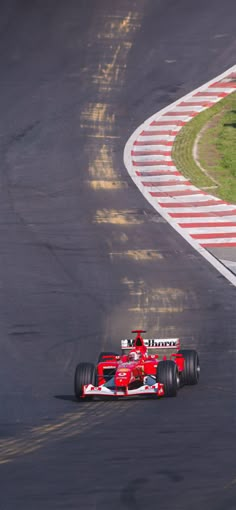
201	219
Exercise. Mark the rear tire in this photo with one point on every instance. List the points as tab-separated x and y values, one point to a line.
85	373
191	372
167	374
106	353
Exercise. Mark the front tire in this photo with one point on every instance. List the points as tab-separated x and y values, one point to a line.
167	374
85	373
191	372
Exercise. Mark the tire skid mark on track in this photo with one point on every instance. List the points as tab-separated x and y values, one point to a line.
69	425
97	118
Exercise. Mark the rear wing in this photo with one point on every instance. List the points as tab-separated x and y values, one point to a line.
154	344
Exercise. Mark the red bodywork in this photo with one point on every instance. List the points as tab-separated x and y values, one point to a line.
129	376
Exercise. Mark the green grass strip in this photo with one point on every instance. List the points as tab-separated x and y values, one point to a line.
216	149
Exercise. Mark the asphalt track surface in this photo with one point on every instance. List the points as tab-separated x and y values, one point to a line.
84	259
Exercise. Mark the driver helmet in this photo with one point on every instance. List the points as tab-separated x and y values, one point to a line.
135	355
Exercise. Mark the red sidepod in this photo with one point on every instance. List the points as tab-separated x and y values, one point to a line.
179	360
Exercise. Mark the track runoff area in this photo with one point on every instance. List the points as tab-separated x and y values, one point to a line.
205	221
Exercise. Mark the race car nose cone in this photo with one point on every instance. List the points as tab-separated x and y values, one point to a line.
122	377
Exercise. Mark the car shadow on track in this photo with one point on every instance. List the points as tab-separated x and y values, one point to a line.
72	398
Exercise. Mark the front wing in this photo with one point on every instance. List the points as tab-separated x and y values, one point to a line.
100	391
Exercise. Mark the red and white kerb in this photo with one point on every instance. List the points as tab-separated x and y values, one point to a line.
205	219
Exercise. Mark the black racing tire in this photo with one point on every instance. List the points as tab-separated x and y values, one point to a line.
191	372
85	373
167	374
106	353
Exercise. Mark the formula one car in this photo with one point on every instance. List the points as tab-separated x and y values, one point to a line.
156	367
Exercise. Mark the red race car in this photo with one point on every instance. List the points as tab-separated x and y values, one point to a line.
155	367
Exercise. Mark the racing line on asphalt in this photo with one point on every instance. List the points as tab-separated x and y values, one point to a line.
204	220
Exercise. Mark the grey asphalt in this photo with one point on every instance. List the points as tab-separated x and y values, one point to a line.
226	255
83	262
